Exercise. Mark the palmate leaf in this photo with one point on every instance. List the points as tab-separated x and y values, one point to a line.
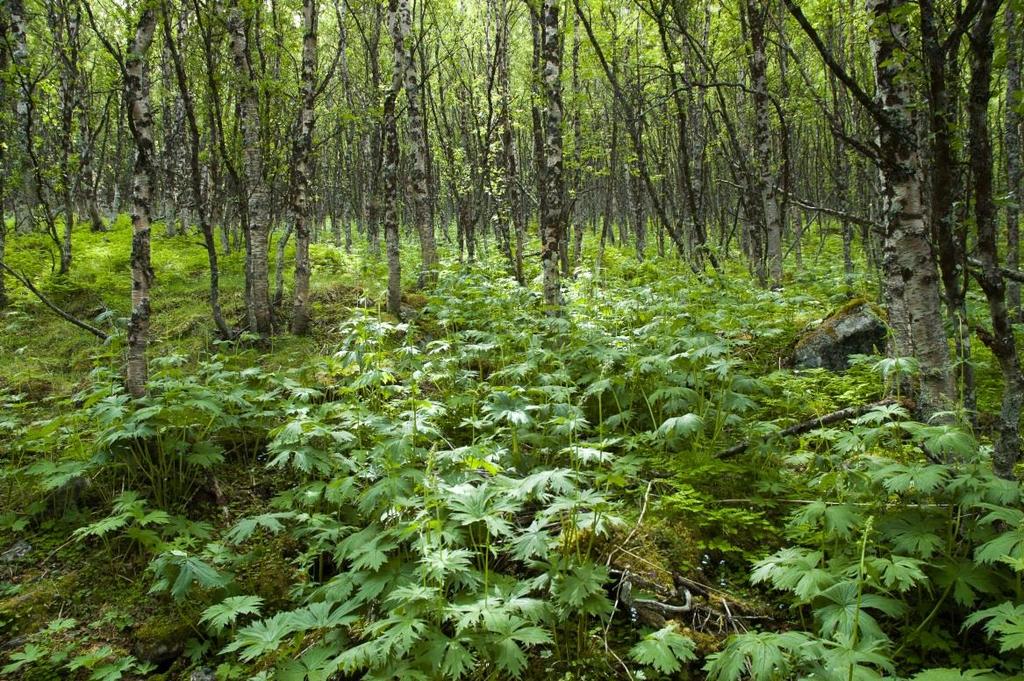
666	650
186	571
913	533
1006	621
900	572
102	526
261	637
1009	543
794	569
681	426
228	610
902	478
839	616
582	588
968	579
457	661
247	526
767	655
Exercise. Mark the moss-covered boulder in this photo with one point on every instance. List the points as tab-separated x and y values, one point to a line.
856	328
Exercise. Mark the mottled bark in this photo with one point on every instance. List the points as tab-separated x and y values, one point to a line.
553	217
303	165
1002	341
391	156
141	124
254	220
1012	143
23	135
405	65
910	277
4	132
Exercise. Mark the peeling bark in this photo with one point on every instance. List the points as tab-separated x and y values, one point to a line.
141	125
910	278
303	164
553	216
255	222
391	155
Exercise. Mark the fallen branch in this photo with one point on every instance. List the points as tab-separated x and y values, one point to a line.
817	422
46	301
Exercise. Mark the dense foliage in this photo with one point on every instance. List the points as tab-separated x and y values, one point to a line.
481	491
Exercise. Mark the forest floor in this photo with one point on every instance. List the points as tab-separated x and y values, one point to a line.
119	557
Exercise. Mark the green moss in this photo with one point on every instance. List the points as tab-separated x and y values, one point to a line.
162	637
36	603
828	325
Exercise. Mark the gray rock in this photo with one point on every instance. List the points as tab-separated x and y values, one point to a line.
18	550
202	674
855	329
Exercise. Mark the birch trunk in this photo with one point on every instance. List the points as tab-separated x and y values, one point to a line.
137	95
910	279
24	219
405	68
4	95
391	156
303	162
552	218
254	218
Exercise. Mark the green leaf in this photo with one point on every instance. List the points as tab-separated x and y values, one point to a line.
681	426
228	610
666	650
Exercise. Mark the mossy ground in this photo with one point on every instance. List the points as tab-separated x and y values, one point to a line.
105	588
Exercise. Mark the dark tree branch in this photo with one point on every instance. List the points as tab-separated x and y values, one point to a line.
27	283
873	108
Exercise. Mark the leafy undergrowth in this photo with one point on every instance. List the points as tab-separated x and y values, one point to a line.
481	491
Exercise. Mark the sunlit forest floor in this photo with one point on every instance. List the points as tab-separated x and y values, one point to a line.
477	449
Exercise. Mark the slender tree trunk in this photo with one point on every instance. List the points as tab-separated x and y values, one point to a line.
137	95
553	217
25	205
255	222
4	130
764	179
911	281
303	164
1002	341
405	63
949	238
509	200
1012	143
390	162
282	244
196	173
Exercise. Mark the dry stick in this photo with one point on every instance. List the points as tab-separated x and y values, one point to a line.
817	422
74	320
